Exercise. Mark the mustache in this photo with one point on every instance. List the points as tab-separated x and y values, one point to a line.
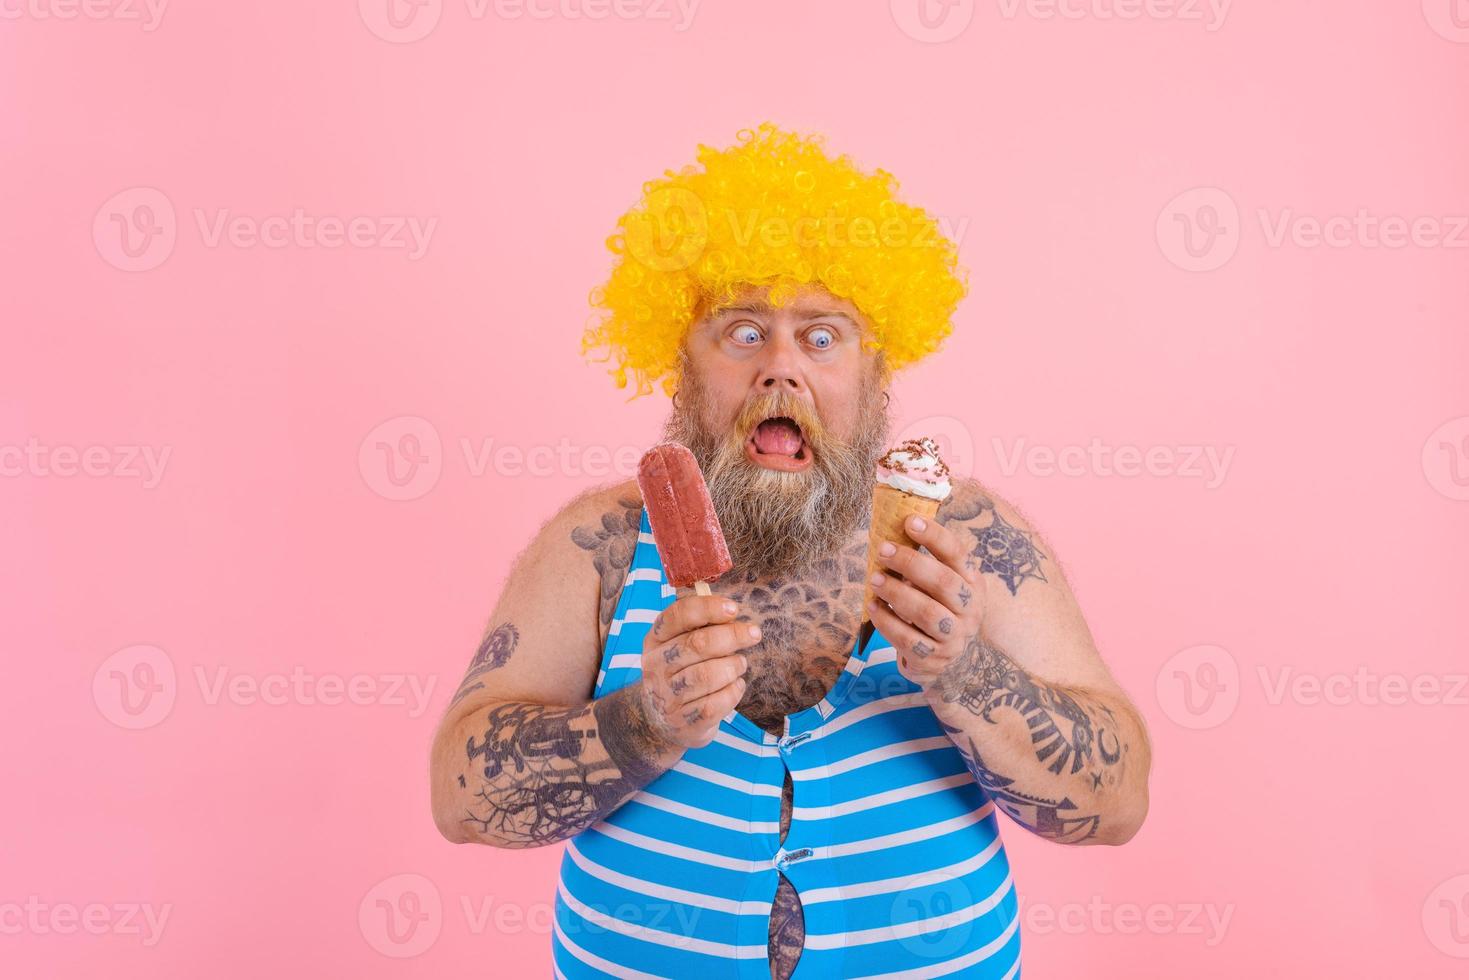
781	404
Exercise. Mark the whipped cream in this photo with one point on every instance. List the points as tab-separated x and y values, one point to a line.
915	467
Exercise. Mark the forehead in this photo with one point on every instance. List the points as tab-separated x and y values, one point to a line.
807	302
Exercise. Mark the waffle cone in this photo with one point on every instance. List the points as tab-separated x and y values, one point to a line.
890	508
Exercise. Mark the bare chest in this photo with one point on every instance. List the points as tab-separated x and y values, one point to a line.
808	623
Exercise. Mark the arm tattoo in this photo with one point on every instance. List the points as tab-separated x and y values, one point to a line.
494	651
540	776
1005	550
1001	548
611	543
1055	820
629	737
966	503
984	680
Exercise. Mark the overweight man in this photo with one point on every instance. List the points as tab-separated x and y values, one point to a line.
750	784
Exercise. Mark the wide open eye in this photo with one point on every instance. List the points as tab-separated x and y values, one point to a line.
820	338
745	333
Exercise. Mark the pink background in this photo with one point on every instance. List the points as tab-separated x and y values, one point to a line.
290	839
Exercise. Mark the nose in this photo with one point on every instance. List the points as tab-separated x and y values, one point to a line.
781	369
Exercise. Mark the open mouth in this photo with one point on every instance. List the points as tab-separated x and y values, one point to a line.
778	443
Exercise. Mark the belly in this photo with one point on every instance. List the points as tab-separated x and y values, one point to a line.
787	922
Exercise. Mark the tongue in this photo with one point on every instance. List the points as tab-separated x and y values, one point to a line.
779	437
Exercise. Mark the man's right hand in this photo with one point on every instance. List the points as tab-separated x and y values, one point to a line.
692	668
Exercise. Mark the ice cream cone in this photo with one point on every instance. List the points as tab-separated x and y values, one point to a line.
890	510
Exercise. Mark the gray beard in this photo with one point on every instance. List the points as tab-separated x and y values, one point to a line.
778	523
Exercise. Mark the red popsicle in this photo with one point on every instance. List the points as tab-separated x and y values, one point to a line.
682	516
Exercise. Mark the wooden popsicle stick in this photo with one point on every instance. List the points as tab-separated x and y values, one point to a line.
702	588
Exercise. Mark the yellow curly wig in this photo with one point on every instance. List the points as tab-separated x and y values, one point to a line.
774	210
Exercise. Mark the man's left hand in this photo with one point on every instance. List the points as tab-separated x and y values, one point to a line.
933	611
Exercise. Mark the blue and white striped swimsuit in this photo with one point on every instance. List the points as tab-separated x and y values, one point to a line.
893	848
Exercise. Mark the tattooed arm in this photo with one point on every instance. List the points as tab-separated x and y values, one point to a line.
523	757
985	622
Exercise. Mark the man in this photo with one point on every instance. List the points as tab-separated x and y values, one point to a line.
749	784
